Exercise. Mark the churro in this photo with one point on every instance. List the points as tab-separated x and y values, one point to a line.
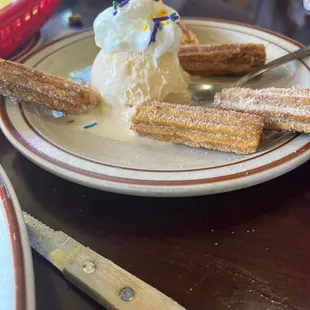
224	59
195	126
285	109
189	38
32	86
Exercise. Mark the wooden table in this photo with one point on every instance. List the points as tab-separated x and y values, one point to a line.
248	249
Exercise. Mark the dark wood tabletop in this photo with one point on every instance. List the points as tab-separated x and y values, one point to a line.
248	249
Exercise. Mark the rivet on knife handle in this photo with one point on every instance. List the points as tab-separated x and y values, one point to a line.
114	287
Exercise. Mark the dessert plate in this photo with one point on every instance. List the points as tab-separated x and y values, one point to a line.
106	158
16	273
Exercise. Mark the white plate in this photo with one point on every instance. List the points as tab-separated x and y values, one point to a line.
140	166
16	272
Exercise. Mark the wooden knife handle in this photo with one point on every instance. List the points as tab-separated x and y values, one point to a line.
114	287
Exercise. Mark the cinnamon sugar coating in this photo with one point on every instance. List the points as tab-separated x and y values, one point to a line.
189	38
285	109
33	86
222	59
195	126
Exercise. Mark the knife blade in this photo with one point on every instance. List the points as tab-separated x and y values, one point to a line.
109	284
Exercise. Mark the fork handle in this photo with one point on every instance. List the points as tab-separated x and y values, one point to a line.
300	53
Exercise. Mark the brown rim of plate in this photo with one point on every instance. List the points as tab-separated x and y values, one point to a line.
13	132
17	249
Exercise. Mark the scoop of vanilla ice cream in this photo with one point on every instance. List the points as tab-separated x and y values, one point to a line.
139	41
124	80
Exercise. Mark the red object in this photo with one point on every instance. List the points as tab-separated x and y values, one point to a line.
20	20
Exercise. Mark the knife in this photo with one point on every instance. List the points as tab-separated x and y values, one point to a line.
110	285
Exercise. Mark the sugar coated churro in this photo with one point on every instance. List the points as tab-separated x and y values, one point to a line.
195	126
285	109
225	59
189	38
32	86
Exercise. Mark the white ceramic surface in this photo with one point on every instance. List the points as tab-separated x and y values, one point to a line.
102	158
16	272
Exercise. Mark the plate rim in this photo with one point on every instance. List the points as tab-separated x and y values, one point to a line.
21	253
143	188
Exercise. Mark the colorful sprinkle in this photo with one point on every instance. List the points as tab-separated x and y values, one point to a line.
153	36
123	3
115	4
145	27
173	16
90	125
162	13
160	19
150	17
